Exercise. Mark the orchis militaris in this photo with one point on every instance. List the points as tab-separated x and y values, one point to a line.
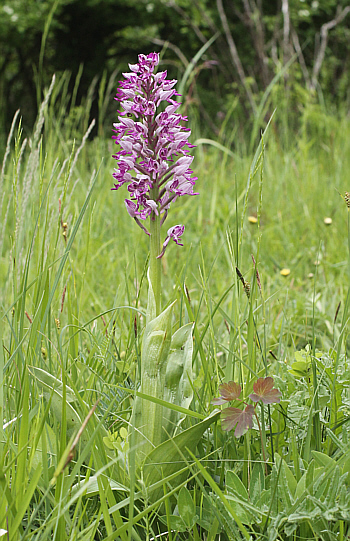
242	419
153	159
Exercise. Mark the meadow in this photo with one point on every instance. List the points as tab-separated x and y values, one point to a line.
73	307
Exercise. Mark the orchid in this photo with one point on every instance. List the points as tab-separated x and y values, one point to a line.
154	164
153	159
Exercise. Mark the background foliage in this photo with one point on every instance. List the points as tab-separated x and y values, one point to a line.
72	269
255	39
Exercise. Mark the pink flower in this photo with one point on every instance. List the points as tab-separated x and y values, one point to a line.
174	233
153	153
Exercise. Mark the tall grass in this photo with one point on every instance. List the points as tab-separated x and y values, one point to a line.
73	297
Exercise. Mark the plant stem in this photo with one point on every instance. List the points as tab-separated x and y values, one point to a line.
262	441
155	264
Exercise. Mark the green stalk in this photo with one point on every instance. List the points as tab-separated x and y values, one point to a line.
154	263
148	415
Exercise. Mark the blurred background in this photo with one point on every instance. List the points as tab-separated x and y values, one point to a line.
235	59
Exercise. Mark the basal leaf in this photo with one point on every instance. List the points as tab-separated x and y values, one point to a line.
257	482
171	455
52	389
178	376
235	485
176	523
187	509
147	415
90	487
47	382
323	459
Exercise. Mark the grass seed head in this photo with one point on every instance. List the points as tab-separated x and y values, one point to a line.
347	199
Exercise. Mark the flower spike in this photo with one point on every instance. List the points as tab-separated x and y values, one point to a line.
153	156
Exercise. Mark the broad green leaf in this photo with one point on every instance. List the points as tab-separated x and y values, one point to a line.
235	485
300	369
73	419
346	469
292	482
283	488
91	486
176	523
257	482
206	514
37	456
156	342
322	459
178	376
230	520
172	455
187	509
310	477
147	415
264	500
300	489
44	380
47	382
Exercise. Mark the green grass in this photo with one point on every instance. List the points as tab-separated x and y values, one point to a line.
73	302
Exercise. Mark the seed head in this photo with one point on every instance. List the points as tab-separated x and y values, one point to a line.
347	199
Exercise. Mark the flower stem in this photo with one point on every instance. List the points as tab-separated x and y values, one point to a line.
155	264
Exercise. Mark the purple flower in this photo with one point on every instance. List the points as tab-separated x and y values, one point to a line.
153	157
174	233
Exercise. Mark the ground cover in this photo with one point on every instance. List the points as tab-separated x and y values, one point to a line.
73	306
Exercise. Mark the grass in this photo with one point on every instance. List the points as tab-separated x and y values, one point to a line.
73	302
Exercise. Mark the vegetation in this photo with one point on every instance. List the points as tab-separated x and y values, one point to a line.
250	320
249	44
73	307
